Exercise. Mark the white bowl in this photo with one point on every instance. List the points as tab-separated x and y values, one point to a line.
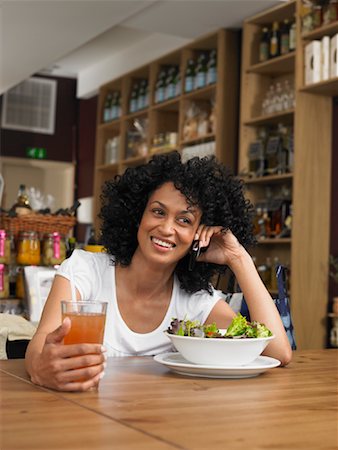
218	351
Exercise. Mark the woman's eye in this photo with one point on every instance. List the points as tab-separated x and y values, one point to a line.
185	220
158	211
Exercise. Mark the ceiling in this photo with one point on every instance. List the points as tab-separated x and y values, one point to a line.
96	41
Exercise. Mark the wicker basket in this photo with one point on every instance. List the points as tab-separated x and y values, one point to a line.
37	222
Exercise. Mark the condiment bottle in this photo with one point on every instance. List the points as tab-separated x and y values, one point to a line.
53	249
264	45
5	248
275	40
4	281
28	249
22	206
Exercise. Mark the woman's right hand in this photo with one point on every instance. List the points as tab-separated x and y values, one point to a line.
75	367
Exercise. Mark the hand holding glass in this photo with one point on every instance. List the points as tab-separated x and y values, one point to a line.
88	321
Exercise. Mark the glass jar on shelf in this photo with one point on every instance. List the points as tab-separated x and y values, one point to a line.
5	247
28	249
53	249
19	285
4	281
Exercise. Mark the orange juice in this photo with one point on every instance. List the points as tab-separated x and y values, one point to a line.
87	328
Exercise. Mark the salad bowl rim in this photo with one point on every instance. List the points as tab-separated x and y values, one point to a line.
230	339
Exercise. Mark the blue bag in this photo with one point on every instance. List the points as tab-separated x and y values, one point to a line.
282	304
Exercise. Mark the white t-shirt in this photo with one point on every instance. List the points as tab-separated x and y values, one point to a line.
94	277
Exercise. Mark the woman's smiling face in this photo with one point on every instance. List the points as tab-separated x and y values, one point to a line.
168	226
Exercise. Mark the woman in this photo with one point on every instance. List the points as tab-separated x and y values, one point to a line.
151	217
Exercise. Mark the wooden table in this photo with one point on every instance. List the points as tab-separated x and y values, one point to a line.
142	405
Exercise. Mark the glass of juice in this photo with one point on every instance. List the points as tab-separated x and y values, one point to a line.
88	321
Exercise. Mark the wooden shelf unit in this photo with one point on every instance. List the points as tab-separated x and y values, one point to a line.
168	116
310	182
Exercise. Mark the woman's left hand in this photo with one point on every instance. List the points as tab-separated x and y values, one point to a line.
224	247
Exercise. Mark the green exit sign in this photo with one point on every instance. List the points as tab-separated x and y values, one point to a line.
36	152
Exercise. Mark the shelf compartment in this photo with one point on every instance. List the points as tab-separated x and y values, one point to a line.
276	66
136	160
113	125
326	30
278	13
285	116
328	87
168	105
269	179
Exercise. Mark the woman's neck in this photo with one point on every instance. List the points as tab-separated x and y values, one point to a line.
144	279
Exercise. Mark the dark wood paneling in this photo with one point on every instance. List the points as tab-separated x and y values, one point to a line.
60	146
86	146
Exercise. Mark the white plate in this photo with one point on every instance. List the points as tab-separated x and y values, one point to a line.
178	364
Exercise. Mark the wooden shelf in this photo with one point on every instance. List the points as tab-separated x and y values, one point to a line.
137	114
328	88
312	116
199	139
110	125
168	105
269	179
326	30
269	241
285	116
112	166
134	160
159	150
201	94
281	64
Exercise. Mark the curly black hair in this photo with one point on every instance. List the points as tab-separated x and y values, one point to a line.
203	181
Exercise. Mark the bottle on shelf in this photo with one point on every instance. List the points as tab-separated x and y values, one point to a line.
5	247
134	98
317	16
115	106
275	40
292	36
141	98
258	223
273	152
212	67
4	281
284	37
330	12
201	71
22	205
264	45
160	86
190	74
172	79
107	108
266	223
256	154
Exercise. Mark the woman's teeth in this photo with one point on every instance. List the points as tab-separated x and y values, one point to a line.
162	243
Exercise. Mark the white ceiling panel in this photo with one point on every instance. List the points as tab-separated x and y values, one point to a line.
80	38
192	18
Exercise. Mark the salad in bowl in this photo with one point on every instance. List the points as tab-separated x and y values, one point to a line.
241	343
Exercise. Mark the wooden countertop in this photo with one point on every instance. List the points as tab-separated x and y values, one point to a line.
140	404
